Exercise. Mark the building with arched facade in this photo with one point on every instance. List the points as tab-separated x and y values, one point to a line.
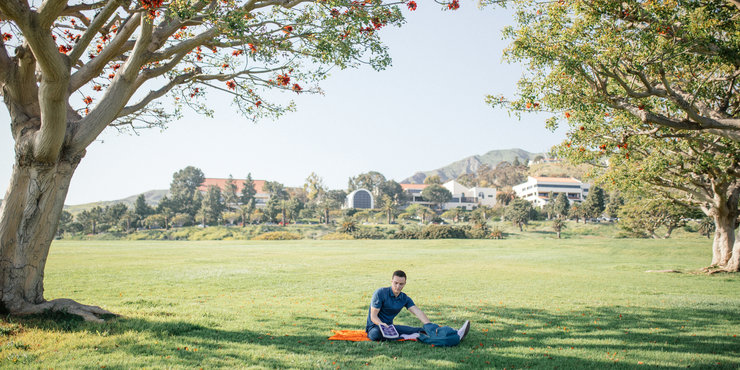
361	199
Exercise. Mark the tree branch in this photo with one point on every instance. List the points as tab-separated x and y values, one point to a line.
6	64
48	139
74	9
15	10
92	30
153	95
116	96
252	4
50	11
725	105
116	47
623	83
186	45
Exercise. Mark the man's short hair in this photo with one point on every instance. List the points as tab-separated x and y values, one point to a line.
399	273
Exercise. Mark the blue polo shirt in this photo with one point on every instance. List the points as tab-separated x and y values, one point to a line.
389	305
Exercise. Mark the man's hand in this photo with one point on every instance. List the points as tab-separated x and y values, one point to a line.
374	317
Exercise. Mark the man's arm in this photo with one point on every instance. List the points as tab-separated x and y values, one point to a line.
374	316
419	314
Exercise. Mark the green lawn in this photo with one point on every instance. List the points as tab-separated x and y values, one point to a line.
534	302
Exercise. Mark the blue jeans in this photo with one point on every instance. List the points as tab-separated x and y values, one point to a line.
374	331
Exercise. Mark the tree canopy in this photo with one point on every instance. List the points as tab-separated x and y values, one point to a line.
71	69
672	64
649	92
436	193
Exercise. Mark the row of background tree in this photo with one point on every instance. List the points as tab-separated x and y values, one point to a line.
185	205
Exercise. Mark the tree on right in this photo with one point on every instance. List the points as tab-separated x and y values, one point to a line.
649	92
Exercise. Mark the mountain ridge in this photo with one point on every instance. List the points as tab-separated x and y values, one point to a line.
471	164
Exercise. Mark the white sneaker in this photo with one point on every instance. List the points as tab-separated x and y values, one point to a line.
464	329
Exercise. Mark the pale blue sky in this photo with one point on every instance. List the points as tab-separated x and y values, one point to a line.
424	112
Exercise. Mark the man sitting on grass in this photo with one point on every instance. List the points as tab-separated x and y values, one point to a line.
388	302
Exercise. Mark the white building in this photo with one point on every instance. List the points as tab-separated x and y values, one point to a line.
361	199
462	196
537	189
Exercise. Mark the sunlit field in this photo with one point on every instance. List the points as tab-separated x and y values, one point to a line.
537	302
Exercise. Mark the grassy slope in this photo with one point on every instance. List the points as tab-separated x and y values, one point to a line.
536	302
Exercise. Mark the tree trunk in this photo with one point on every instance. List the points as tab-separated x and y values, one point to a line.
734	263
29	217
669	231
724	240
652	234
326	216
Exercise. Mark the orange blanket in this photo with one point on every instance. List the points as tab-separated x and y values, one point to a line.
354	336
350	335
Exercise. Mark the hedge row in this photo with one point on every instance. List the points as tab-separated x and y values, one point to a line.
293	233
428	232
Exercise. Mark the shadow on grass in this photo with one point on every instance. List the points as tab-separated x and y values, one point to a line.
615	336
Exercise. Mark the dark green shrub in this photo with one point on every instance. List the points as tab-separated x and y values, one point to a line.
406	234
496	233
477	233
337	236
368	233
348	226
443	232
278	235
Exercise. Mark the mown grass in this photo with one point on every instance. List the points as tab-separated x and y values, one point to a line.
533	301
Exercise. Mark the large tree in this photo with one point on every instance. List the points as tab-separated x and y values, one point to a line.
436	194
642	216
231	199
595	204
672	64
561	205
71	69
371	181
184	194
519	211
248	191
650	86
211	206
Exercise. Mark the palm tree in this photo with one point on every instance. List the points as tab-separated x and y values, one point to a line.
505	196
425	212
388	206
558	224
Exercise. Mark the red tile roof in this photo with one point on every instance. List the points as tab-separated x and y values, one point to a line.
556	179
221	183
413	186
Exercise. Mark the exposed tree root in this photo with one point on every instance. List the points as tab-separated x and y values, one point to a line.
88	313
671	271
714	269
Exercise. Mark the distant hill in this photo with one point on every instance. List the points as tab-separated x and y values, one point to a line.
152	198
472	163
